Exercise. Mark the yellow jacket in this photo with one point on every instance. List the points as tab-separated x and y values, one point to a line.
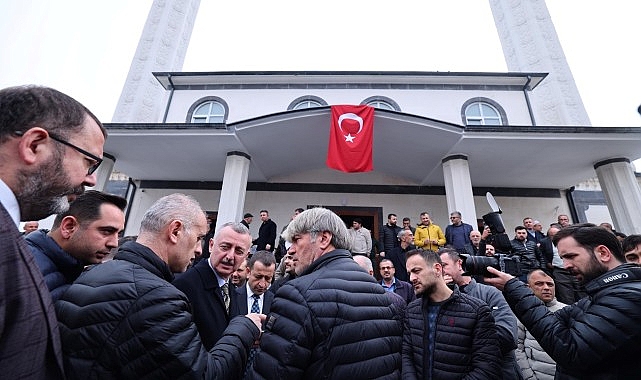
430	232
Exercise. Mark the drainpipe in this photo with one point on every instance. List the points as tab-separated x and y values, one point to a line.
526	88
171	95
574	214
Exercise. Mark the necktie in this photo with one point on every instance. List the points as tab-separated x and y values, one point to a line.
252	352
225	289
255	305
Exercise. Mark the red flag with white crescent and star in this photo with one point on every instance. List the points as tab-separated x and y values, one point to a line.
350	139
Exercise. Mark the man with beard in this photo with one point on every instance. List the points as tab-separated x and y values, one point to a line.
83	235
207	283
447	334
387	236
598	337
50	146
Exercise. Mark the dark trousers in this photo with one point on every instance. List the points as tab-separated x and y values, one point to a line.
566	286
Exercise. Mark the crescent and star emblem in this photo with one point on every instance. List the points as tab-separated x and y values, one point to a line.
350	116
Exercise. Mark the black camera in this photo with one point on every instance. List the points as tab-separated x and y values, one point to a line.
477	265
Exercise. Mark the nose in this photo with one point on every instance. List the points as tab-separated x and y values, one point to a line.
90	180
112	242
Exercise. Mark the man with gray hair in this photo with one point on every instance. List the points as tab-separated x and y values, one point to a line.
125	320
333	321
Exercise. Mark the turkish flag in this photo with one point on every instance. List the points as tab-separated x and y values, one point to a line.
350	139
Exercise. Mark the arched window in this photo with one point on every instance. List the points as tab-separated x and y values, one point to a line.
210	109
483	111
307	101
382	103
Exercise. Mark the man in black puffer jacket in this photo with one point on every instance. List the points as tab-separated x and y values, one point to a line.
447	334
333	321
599	337
124	319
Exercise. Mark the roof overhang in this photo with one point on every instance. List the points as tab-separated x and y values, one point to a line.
408	147
288	79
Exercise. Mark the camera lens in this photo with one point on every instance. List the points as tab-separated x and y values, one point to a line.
476	265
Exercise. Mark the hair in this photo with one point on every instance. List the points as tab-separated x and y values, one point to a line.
235	226
451	252
406	219
264	257
556	225
425	213
630	243
386	260
390	215
264	211
429	256
589	236
457	213
86	207
400	233
299	210
25	107
317	220
366	260
537	271
171	207
358	220
519	228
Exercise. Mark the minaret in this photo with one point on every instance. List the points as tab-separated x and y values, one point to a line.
530	44
162	47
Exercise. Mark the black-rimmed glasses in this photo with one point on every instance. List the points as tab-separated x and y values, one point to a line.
95	158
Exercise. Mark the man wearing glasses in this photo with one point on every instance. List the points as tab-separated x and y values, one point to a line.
50	145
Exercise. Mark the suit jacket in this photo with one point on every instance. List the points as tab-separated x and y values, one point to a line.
240	307
29	338
266	235
201	287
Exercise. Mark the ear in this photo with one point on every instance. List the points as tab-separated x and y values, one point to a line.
325	238
175	229
32	145
68	226
438	269
247	270
603	254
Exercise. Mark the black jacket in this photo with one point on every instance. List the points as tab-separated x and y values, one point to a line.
465	344
266	235
124	320
599	337
388	238
332	322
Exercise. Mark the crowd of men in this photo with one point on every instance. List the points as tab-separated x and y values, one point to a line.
154	312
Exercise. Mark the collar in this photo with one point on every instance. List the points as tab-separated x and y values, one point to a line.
250	293
221	281
10	203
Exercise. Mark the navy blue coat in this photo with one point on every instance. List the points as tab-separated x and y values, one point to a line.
465	344
58	268
334	321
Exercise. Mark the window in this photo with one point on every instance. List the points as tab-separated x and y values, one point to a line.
382	103
305	102
208	110
483	111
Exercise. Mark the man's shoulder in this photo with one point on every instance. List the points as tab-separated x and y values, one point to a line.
198	274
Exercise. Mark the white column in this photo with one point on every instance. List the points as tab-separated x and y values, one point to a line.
162	47
530	44
232	193
104	172
622	193
458	188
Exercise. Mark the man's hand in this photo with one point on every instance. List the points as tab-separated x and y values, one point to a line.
258	319
382	253
268	247
500	279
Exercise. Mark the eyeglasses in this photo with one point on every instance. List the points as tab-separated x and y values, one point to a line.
95	158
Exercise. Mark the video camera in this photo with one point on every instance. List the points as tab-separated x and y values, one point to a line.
476	265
